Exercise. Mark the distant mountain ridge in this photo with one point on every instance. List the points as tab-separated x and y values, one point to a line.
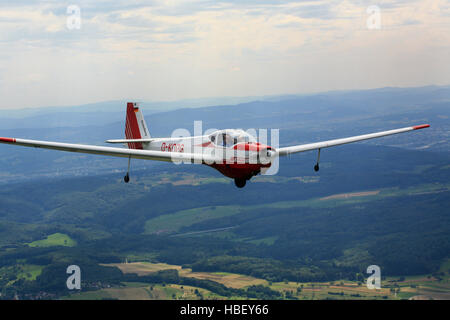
300	119
110	111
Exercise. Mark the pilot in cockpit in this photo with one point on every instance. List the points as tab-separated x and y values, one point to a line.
227	140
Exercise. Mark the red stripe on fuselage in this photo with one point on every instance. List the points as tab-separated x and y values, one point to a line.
251	146
206	144
10	140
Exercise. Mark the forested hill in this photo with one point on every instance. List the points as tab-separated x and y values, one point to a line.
387	206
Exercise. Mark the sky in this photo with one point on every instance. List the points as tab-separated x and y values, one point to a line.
57	53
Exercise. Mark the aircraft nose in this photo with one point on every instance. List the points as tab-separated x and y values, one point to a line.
266	154
270	152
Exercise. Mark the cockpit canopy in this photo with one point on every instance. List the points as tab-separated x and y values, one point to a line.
230	137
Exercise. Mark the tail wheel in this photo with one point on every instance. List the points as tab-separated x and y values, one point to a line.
240	183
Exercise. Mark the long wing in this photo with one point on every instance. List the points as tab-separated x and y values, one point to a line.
336	142
110	151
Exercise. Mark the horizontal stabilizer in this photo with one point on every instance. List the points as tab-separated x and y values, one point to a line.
129	140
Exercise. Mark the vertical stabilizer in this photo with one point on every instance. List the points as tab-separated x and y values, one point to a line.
135	126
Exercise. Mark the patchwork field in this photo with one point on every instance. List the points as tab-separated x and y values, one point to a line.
136	291
228	279
416	287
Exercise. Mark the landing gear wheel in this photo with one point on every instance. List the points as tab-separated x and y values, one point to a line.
127	176
316	167
240	183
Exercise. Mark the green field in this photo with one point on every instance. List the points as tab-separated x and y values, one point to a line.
23	271
174	222
170	223
29	272
56	239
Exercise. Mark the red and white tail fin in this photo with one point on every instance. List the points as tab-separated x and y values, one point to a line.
135	126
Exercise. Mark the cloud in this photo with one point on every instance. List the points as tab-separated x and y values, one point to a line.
197	48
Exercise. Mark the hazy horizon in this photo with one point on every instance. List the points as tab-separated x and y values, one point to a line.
215	98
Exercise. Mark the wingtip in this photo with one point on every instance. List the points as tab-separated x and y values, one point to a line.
8	140
421	126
